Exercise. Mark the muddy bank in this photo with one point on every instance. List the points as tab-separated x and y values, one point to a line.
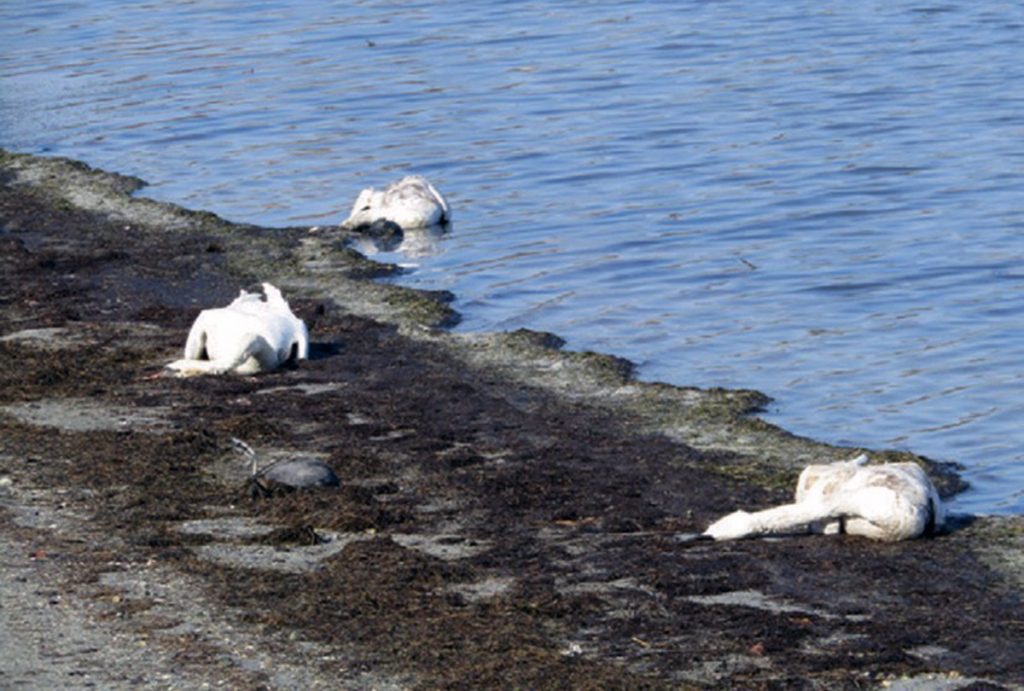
509	514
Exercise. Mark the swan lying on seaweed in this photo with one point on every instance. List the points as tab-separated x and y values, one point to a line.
285	475
250	335
890	502
411	203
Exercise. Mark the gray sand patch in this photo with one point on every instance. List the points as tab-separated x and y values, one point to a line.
606	587
756	600
227	528
930	682
54	338
50	338
484	589
308	389
291	559
447	547
85	415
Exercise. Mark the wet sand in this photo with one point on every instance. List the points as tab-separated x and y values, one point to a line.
510	514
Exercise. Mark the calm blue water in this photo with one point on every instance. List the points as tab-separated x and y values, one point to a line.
820	200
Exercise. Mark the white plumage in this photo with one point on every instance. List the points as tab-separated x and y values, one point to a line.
890	502
250	335
411	202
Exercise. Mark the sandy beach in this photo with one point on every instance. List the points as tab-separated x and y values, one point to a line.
510	514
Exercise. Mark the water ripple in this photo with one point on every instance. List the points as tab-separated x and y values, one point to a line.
820	202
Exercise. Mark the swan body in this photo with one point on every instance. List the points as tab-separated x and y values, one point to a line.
250	335
411	202
889	502
290	474
300	472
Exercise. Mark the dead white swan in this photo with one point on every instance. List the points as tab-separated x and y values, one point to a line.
250	335
892	501
288	474
411	202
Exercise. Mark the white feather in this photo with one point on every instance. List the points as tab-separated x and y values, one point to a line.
892	501
250	335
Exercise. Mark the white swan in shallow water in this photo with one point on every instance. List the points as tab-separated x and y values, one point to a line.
250	335
892	501
411	202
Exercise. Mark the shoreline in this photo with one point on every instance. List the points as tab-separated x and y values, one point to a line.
495	477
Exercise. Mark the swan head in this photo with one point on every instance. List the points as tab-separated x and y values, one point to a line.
365	210
732	527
